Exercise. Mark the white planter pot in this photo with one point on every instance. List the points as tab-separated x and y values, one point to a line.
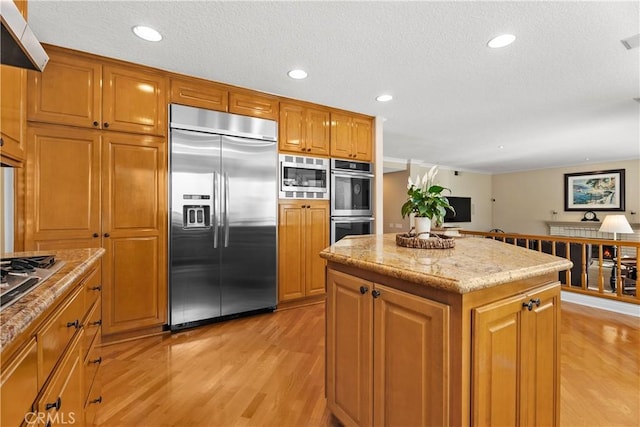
423	227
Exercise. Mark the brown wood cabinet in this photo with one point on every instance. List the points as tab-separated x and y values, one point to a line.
42	373
199	93
303	231
515	354
304	129
62	208
253	104
351	137
388	352
81	90
13	109
114	197
396	355
134	232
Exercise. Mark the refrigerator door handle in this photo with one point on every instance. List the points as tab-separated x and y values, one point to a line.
214	216
226	210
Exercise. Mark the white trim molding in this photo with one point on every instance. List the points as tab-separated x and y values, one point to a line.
602	303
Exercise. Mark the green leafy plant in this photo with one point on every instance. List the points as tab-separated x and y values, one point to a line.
426	199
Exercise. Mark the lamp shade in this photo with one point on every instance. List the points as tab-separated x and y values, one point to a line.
615	224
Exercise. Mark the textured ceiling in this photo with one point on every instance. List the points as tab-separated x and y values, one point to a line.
561	94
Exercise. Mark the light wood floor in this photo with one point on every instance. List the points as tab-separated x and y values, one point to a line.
268	370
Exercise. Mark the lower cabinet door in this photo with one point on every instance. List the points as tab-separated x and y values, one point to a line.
410	360
349	348
515	360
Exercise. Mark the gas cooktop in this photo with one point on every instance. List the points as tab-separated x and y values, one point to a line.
21	275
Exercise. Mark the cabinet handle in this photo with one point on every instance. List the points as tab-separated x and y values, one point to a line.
75	323
96	288
96	235
1	142
308	149
107	235
531	303
375	293
95	124
106	124
98	400
364	290
98	360
96	323
57	404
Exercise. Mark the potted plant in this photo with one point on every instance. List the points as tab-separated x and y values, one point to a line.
426	202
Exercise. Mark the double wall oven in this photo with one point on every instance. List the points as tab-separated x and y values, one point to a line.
351	198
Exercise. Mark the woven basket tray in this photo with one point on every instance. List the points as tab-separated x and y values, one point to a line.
435	241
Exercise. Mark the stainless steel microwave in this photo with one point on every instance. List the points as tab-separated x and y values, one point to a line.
303	177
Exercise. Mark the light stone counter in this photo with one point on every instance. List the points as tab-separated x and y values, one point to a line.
18	316
473	263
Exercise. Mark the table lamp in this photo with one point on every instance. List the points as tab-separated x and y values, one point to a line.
615	224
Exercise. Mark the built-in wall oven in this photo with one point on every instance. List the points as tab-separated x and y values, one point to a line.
351	198
303	177
342	226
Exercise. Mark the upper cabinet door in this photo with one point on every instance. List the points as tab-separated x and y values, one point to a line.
341	126
197	93
292	128
250	104
362	139
63	187
68	91
134	100
318	131
13	114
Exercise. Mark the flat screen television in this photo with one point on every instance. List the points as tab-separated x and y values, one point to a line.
462	205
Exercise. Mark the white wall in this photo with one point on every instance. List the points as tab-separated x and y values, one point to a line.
395	194
465	184
525	200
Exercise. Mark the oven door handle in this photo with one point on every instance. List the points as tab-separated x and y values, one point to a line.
353	219
341	174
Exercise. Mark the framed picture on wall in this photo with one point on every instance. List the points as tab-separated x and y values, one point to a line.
594	191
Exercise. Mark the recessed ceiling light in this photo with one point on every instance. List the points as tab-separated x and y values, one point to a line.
147	33
501	41
297	74
384	98
501	146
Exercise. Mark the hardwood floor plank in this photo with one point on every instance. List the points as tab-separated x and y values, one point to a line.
268	370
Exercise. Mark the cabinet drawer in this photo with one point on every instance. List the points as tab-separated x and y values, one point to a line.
92	290
19	385
91	365
58	332
92	326
63	398
93	402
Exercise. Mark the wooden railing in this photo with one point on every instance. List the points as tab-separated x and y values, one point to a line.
596	272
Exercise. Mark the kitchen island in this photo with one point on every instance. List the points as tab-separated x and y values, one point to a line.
461	336
50	341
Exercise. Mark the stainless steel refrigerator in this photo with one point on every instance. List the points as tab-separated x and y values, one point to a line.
223	209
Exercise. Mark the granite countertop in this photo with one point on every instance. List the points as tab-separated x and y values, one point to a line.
18	316
473	264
